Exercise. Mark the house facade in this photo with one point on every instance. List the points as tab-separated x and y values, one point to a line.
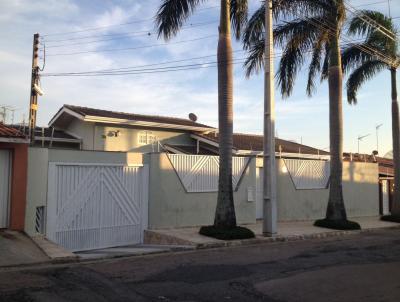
135	172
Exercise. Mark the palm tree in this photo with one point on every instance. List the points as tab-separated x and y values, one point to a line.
169	19
378	52
314	27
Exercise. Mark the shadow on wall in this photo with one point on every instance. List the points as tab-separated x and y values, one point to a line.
360	189
170	205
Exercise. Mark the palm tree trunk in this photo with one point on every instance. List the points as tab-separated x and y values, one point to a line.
336	209
396	144
225	212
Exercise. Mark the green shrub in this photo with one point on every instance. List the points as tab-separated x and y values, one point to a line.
337	224
391	218
225	233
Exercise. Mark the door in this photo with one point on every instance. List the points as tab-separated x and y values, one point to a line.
5	175
96	206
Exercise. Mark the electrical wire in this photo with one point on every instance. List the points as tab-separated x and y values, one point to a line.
369	20
131	33
113	25
137	71
130	48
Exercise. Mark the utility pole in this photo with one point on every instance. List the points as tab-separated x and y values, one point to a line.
33	105
390	13
269	171
377	136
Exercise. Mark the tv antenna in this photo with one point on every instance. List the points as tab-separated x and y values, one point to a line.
360	138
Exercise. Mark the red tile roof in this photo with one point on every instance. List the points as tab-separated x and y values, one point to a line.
135	117
9	132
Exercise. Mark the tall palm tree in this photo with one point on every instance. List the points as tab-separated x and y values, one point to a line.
313	27
376	53
233	13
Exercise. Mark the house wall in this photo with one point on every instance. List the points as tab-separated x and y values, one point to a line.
171	206
360	190
128	138
84	131
98	137
38	164
18	184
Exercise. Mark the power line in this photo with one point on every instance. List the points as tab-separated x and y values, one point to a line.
370	21
364	48
147	65
131	48
127	35
113	25
136	70
140	33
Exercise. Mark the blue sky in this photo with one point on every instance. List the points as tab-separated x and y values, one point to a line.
299	118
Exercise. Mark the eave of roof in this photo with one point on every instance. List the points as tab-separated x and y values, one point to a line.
241	142
112	117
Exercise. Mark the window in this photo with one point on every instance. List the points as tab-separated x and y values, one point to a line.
146	138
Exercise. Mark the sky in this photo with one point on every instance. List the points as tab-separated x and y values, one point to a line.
66	27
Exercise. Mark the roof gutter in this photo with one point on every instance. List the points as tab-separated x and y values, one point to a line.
14	140
108	120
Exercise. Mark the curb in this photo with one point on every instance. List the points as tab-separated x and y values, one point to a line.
289	238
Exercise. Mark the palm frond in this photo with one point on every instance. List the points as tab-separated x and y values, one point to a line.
304	29
361	75
315	64
326	63
308	8
239	14
359	26
171	15
353	56
254	30
255	60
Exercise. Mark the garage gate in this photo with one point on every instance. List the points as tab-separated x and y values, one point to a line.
5	175
93	206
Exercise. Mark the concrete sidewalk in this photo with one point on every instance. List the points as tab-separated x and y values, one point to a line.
18	249
286	231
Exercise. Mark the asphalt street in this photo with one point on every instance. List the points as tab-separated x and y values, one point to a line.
360	267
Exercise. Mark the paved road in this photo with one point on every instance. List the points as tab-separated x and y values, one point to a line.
363	267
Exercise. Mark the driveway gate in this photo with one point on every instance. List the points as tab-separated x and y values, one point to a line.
5	173
94	206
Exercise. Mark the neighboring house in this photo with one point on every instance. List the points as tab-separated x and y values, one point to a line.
385	181
13	177
49	137
102	130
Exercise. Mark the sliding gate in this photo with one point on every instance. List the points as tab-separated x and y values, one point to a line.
96	206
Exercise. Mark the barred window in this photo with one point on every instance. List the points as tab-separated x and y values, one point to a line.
146	138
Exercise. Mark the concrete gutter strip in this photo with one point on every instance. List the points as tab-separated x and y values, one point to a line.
53	251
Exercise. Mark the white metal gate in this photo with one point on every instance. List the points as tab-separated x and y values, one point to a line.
385	197
5	173
94	206
259	193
